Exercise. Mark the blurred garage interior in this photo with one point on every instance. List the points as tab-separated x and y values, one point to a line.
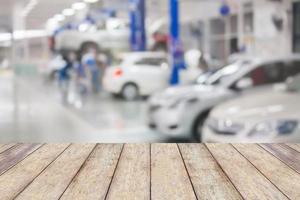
149	71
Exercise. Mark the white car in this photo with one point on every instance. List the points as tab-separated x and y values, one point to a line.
141	74
181	111
270	115
93	37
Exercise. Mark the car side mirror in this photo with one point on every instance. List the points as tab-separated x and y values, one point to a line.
244	83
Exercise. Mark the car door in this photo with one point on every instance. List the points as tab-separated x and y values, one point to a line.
152	74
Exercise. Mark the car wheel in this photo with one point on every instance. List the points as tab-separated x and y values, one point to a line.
198	125
130	92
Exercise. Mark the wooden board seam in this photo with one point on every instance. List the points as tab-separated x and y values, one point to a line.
79	170
220	166
188	174
109	186
42	171
21	159
266	149
287	145
10	148
260	171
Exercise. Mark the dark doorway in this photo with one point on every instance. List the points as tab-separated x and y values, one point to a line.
296	27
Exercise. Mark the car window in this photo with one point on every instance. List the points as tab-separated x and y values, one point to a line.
202	78
267	74
225	73
292	68
151	61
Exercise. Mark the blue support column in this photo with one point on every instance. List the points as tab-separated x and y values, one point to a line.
176	50
137	25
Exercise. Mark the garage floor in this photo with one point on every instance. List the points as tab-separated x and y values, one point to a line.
31	111
149	171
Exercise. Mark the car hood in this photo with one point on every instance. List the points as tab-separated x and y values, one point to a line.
179	92
260	106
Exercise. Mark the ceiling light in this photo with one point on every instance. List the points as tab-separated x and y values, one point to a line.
28	8
79	6
68	12
59	17
91	1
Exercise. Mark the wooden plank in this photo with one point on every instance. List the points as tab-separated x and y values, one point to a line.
4	147
17	178
169	178
286	179
95	176
285	153
12	156
246	178
208	179
294	146
55	179
132	176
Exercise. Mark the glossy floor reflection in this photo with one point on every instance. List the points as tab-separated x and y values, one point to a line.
31	111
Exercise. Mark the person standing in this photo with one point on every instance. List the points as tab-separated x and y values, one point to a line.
89	61
65	76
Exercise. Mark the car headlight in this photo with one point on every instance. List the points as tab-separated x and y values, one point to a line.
225	126
280	127
187	100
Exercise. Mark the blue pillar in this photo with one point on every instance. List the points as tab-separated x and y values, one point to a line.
176	50
137	25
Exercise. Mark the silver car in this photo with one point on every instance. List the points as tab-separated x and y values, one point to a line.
181	111
269	115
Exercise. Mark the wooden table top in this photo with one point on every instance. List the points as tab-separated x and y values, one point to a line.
149	171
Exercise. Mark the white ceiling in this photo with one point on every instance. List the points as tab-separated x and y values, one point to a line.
155	9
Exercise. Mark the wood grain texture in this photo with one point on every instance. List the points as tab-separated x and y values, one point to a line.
4	147
12	156
54	180
246	178
144	171
294	146
285	153
132	177
93	180
208	179
169	179
286	179
17	178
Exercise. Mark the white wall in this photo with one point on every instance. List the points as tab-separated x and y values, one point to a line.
268	40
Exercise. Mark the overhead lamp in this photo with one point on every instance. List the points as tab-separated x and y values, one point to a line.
59	17
79	6
91	1
68	12
28	8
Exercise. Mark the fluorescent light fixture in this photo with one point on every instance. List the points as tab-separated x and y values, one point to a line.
68	12
91	1
29	7
22	34
79	6
59	17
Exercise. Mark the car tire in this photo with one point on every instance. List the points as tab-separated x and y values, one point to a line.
198	125
130	92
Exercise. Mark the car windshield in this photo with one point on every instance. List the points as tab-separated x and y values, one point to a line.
225	73
202	78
